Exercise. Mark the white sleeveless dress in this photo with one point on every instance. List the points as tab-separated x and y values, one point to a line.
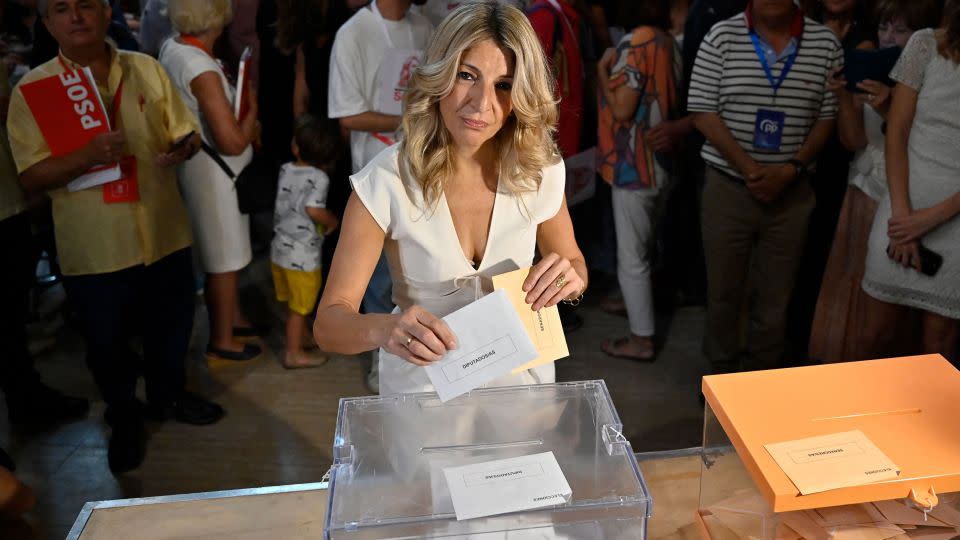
427	262
221	233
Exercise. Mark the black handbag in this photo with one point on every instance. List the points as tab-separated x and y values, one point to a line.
256	184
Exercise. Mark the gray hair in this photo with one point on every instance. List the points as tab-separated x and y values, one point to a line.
42	6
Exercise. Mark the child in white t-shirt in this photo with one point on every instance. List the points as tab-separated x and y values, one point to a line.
300	221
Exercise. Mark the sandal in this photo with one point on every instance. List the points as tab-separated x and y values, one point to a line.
249	352
305	361
615	349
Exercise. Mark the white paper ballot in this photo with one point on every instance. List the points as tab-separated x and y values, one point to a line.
95	177
491	342
507	485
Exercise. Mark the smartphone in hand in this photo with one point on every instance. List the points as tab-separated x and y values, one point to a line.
930	261
875	65
179	143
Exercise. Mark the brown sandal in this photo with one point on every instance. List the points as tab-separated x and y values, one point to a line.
615	349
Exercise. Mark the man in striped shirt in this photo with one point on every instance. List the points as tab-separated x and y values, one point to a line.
759	95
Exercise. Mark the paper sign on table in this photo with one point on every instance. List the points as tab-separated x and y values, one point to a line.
491	343
818	464
507	485
543	327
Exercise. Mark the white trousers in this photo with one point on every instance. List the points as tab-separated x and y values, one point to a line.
632	219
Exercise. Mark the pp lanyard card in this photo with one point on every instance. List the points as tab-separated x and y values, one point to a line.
768	129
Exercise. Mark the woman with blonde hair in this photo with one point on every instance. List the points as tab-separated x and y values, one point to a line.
473	191
221	232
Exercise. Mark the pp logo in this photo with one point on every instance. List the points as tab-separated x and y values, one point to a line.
769	126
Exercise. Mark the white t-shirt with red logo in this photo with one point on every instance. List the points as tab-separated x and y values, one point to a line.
359	48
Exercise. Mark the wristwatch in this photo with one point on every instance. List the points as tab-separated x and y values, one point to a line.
800	166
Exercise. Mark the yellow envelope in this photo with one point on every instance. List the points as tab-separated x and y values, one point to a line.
850	514
804	524
877	531
901	514
932	533
818	464
542	326
947	511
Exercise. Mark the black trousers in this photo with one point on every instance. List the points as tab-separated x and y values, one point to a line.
17	375
154	303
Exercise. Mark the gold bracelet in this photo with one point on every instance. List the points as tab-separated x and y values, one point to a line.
574	302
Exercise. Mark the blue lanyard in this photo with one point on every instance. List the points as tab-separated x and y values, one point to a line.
766	67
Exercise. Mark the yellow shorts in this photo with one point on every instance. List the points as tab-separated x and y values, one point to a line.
296	288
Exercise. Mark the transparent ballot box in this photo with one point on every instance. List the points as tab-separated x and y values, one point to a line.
389	453
907	407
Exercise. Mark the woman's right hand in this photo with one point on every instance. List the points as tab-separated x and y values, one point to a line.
417	336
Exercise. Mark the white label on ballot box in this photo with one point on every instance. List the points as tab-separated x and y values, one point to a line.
507	485
491	342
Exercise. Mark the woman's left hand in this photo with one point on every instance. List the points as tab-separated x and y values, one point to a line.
551	280
876	94
913	227
907	255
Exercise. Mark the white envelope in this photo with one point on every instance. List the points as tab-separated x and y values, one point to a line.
507	485
491	342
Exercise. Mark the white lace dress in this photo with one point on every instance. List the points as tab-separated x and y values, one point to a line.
934	160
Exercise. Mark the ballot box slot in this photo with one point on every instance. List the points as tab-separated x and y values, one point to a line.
869	414
473	447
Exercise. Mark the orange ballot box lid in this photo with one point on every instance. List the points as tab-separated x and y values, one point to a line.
908	407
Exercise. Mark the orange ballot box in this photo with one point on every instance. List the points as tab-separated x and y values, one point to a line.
855	451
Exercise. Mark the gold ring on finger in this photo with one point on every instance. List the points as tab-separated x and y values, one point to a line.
409	341
560	281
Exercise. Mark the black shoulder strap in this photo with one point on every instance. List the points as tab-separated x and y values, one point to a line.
218	160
